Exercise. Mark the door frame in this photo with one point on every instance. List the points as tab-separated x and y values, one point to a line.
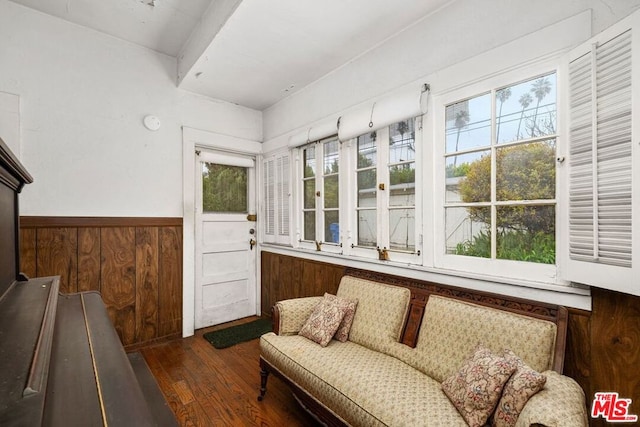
192	138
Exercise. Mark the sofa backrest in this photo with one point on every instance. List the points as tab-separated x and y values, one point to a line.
380	314
451	329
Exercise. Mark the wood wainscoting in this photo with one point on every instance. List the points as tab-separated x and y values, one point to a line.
603	345
135	263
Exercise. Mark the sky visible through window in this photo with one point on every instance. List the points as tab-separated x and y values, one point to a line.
525	110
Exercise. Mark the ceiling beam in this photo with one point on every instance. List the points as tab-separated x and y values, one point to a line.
203	34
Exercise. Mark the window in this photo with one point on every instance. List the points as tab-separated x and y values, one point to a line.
321	195
385	200
276	198
224	188
500	173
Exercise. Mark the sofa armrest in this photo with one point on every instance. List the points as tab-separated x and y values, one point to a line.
290	315
560	403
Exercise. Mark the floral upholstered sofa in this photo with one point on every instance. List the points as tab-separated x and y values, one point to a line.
373	379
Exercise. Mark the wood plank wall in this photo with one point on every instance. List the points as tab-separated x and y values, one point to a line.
135	263
286	277
603	346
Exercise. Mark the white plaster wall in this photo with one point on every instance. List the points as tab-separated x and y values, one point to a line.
83	97
461	30
10	121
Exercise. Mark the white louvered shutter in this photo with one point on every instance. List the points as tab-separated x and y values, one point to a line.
603	161
283	197
276	198
269	200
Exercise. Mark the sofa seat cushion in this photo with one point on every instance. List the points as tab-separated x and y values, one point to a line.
361	386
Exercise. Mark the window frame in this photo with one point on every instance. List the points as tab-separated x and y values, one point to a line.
319	209
518	270
383	207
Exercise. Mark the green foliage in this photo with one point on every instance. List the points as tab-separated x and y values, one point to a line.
478	246
398	174
224	188
524	172
333	168
512	245
456	171
367	179
402	174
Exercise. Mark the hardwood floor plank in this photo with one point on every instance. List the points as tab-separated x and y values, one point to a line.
186	416
209	387
183	391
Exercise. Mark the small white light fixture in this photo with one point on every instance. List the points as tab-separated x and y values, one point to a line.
151	122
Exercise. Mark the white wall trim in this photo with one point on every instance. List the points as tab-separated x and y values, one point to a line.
192	138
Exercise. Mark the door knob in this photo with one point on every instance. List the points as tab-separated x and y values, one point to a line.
252	243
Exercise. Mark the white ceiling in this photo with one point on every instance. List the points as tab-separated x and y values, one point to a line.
250	52
164	27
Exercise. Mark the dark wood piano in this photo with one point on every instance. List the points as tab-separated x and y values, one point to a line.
61	360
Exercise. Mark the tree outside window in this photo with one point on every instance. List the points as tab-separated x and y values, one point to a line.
500	173
224	188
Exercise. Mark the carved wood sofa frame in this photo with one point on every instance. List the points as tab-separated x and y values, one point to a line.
420	292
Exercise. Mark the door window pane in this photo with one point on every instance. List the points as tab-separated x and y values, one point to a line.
224	188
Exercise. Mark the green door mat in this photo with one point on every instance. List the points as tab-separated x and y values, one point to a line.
240	333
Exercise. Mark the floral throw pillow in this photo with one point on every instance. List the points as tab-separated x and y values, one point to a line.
342	334
524	383
324	321
475	389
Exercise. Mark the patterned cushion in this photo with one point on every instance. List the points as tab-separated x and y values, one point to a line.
475	389
524	383
381	312
342	334
324	321
294	313
361	386
451	329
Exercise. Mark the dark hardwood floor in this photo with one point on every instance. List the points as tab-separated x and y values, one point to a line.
209	387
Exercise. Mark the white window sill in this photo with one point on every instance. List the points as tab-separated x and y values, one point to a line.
574	296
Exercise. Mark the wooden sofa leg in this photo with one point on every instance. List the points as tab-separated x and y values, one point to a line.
264	375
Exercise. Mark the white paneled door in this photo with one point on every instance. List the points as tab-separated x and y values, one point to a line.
225	238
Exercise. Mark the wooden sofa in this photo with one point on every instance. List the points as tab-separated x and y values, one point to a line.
407	336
